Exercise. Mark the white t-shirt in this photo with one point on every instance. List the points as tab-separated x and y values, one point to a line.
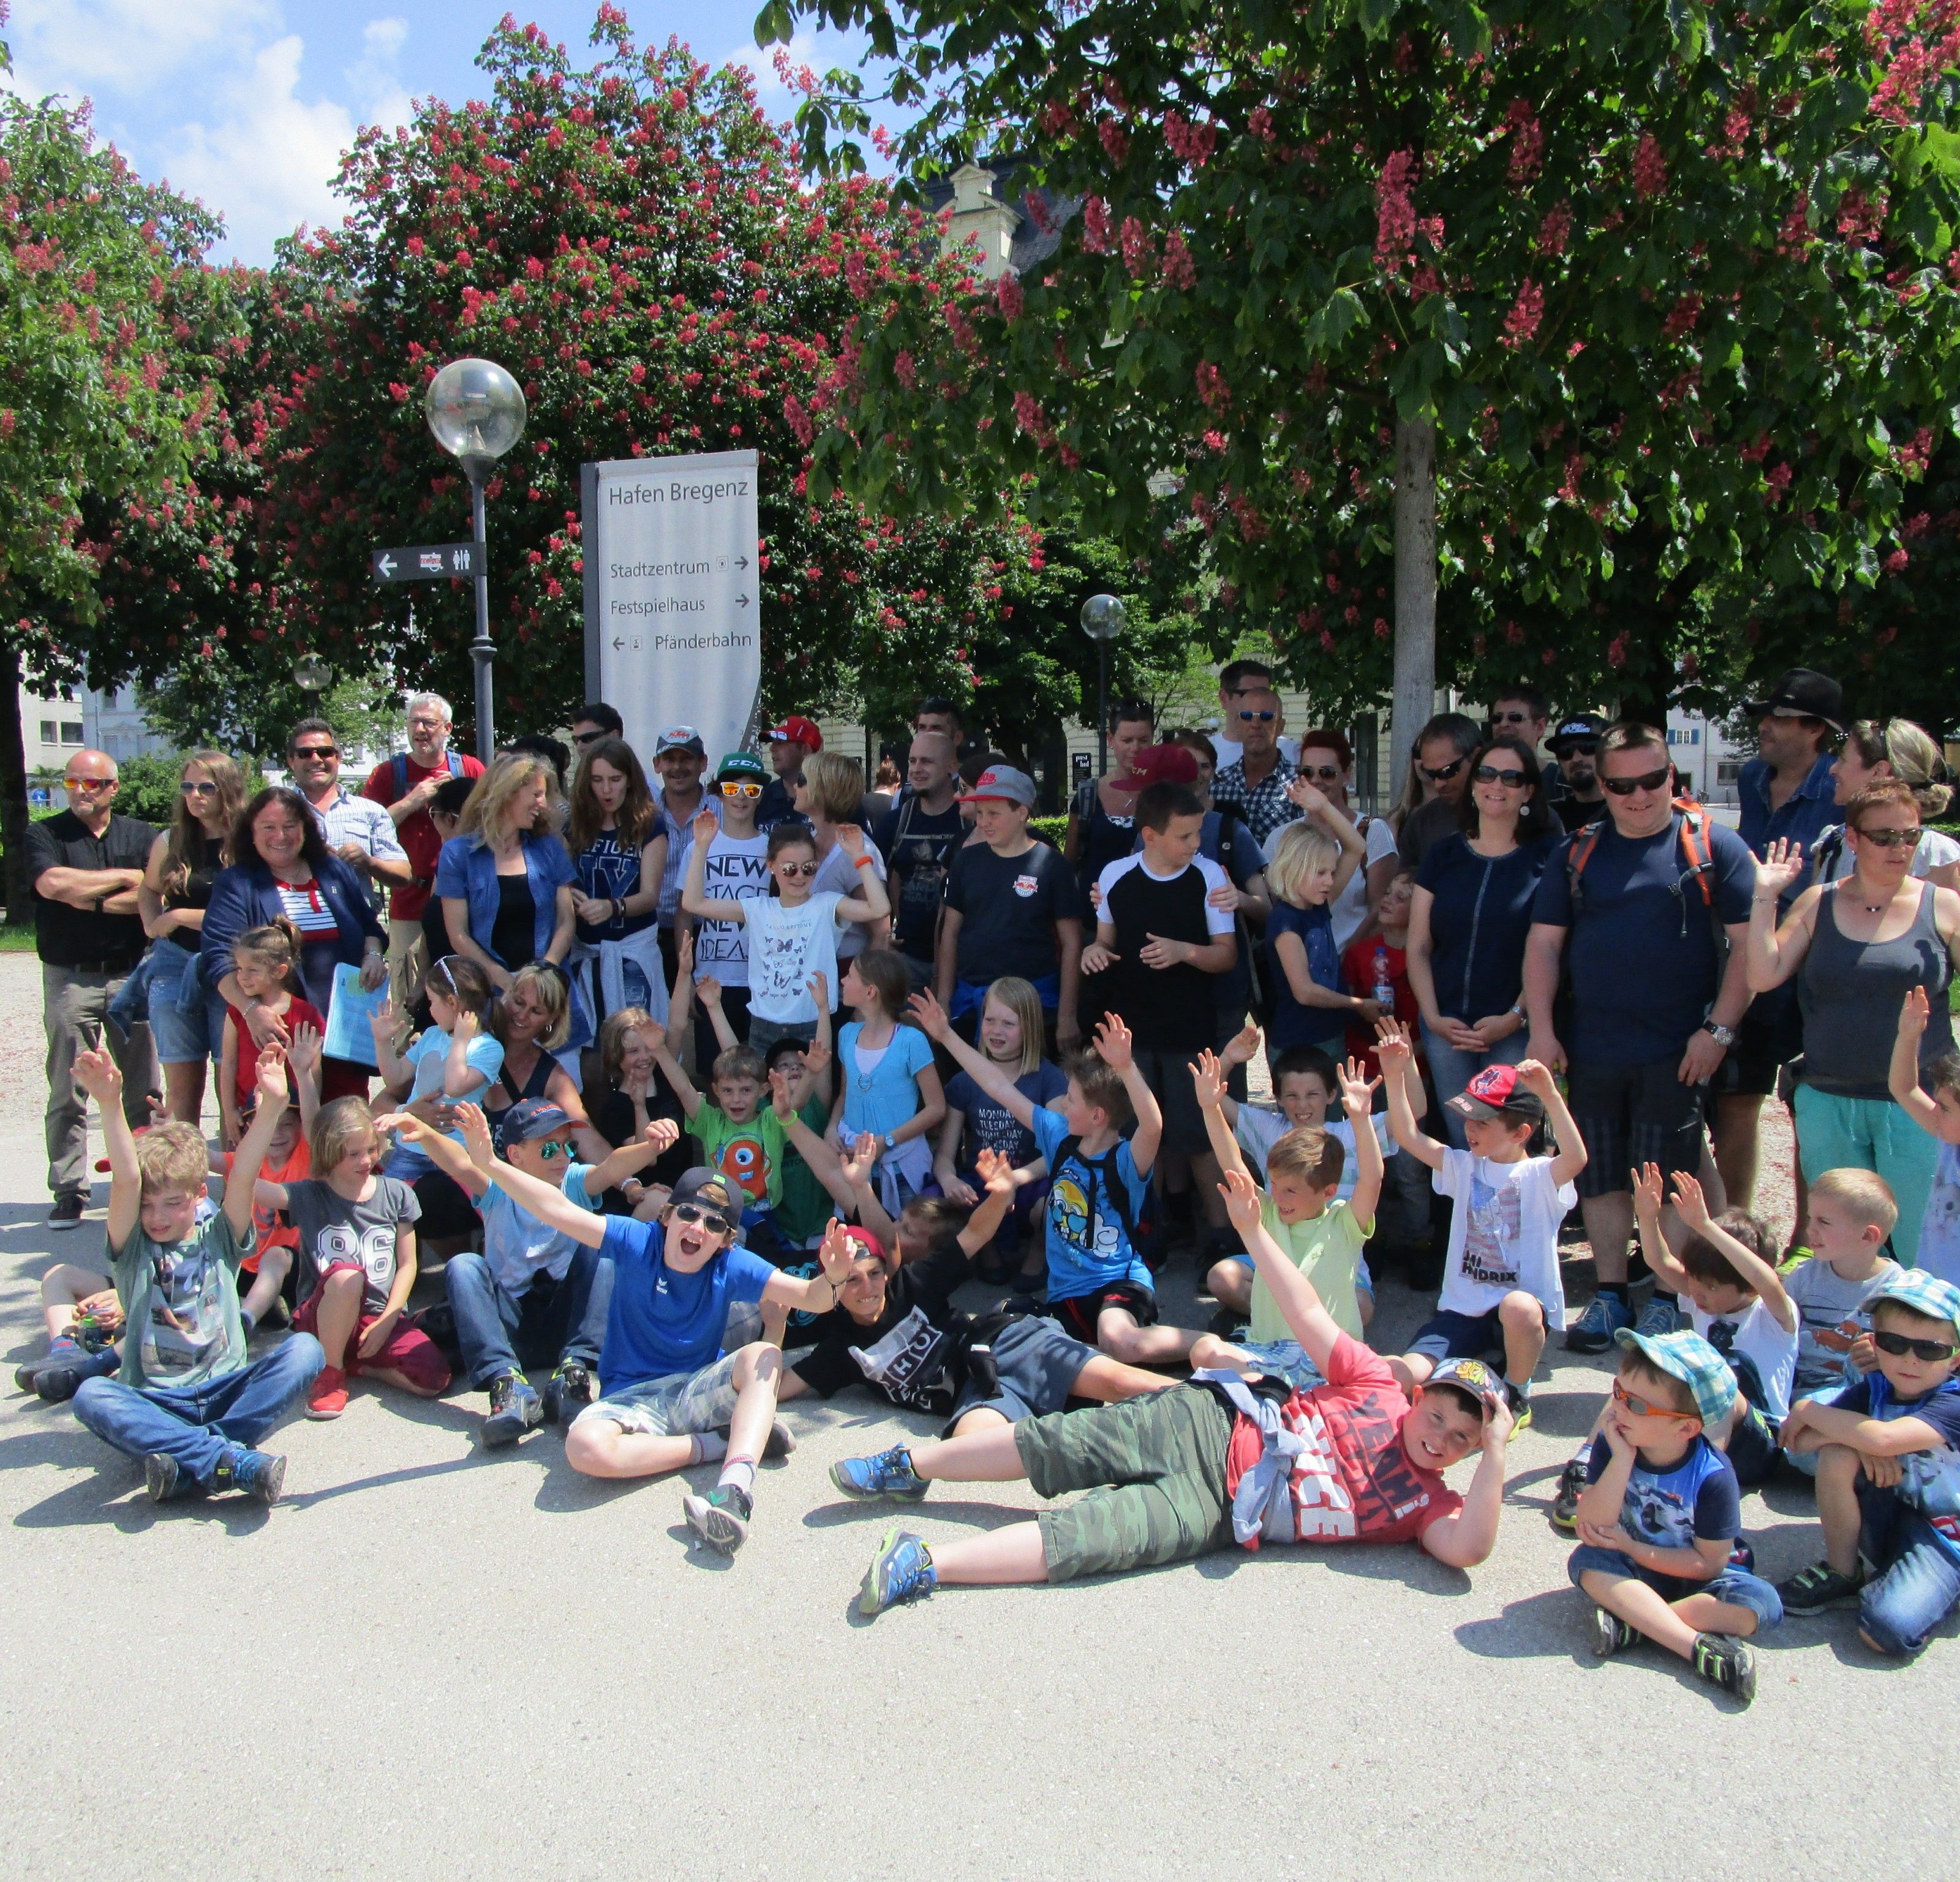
1935	851
1503	1233
1258	1129
1350	905
786	946
1230	751
736	870
839	875
1757	1333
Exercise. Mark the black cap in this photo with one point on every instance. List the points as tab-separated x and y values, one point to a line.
1801	694
1573	728
711	1192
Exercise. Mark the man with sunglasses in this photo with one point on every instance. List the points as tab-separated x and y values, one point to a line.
1522	712
1636	913
1254	785
357	829
1575	751
593	721
84	863
1235	681
1442	749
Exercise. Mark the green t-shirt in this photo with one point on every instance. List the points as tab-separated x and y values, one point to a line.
750	1154
806	1206
181	1302
1327	1249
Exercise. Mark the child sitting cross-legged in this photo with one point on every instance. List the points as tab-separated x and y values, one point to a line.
1178	1473
671	1392
186	1400
1888	1473
1302	1212
1501	1282
1659	1520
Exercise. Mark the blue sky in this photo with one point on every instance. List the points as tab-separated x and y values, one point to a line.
247	104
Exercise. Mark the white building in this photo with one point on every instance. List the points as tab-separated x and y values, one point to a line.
1708	760
54	727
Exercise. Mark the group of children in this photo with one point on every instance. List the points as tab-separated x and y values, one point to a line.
841	1192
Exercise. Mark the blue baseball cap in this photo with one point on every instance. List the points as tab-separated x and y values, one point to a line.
530	1119
1924	1293
1690	1358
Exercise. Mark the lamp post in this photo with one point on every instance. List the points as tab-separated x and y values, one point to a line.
1103	619
311	674
475	411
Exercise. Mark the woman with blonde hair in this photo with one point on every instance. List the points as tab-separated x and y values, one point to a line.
186	1017
533	1022
1877	749
831	798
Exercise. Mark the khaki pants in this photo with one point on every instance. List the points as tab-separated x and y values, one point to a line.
70	1002
408	962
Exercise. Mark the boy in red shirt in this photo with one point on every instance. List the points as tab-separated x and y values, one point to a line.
1178	1474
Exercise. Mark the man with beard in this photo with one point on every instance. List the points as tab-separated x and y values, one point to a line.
1576	745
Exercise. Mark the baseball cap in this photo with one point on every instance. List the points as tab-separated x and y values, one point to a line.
1690	1358
1002	781
867	1243
1162	764
680	738
1802	693
530	1119
741	764
1923	1293
1496	1088
798	729
1471	1376
1571	731
708	1190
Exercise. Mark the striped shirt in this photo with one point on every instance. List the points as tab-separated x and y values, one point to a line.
305	907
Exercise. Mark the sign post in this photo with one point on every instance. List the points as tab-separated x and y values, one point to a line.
673	595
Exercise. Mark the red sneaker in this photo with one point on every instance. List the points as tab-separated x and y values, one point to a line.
328	1398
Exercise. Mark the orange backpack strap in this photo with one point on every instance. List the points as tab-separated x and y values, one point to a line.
1577	856
1696	850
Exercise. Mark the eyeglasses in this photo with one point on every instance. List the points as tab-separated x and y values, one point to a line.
91	784
1438	774
1647	781
1265	718
739	788
552	1149
1324	774
1510	718
315	751
1490	774
1887	839
1933	1352
689	1213
191	790
799	868
587	738
1646	1408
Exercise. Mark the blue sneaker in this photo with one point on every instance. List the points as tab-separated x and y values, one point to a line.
889	1473
1660	1315
257	1474
1593	1331
67	1365
902	1569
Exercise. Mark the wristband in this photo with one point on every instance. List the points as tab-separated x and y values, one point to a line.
863	862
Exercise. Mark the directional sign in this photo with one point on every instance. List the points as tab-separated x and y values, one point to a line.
427	562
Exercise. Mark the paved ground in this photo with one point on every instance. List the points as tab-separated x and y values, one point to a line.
430	1663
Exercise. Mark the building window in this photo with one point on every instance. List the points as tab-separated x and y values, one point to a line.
49	736
72	732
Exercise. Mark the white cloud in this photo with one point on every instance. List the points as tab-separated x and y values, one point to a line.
128	47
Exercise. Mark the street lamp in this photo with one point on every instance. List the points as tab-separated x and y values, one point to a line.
312	673
1103	619
475	411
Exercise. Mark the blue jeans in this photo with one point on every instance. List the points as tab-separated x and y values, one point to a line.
1918	1579
1835	1133
1451	1068
185	1035
1736	1586
197	1423
551	1323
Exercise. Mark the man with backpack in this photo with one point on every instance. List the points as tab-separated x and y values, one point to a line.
1648	911
917	837
405	786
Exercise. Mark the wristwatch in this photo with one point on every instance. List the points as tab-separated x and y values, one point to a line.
1723	1035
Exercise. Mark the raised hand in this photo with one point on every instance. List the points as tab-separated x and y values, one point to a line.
97	1073
1358	1089
684	953
304	1052
663	1133
818	986
1242	1200
476	1138
851	840
707	991
933	1019
995	1172
781	1099
1782	864
1243	1047
1113	1043
386	1017
1307	797
1393	1046
1208	1080
270	1078
1689	1203
1535	1076
1649	1188
817	1054
704	828
466	1024
1914	1014
836	1253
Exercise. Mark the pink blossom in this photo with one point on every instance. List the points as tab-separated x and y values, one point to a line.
1217	443
962	330
1527	140
1793	237
1616	651
796	416
1395	211
1259	122
1895	562
1913	457
1779	481
905	368
1556	230
1681	321
1649	167
1096	226
1008	295
1179	269
1139	251
1116	141
1521	323
1211	386
1193	143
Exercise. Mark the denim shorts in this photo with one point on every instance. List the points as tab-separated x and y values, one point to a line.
676	1406
1734	1585
1282	1359
1916	1580
182	1037
1448	1336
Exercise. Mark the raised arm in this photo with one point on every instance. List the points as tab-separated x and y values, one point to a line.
685	992
97	1073
1774	951
1902	1078
302	1056
997	1175
856	1167
1112	1045
1536	1077
870	903
1649	1192
823	1162
1358	1091
816	1293
670	1069
545	1200
694	898
1208	1076
394	1071
1397	1058
1296	1297
633	1155
444	1152
1692	1207
989	1077
250	1157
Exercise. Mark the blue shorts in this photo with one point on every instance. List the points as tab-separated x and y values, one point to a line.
1282	1359
183	1036
1736	1585
1037	1362
1447	1335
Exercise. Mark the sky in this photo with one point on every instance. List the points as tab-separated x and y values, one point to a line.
248	104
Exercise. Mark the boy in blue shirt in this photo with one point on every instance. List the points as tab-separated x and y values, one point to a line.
668	1387
1888	1473
1659	1520
1098	1183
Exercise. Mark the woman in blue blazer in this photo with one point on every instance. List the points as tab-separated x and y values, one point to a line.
285	868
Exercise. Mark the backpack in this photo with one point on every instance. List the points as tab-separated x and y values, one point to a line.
1145	1232
400	762
1697	858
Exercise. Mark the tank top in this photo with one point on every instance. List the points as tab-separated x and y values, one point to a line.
533	1088
1851	992
1104	839
196	893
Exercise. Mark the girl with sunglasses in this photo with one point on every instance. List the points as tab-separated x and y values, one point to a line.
1858	947
736	868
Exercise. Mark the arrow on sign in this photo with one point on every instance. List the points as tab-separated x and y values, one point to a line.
426	561
385	566
741	600
617	644
741	561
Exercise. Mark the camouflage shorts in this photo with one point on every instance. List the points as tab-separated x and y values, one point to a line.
676	1407
1154	1468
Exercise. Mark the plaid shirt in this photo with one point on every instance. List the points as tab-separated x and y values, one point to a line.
348	819
1265	806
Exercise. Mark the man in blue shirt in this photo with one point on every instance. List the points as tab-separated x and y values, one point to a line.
1786	791
1655	911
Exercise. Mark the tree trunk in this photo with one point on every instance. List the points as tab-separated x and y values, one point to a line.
1415	591
13	790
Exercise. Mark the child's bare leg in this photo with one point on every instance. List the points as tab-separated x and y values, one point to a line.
63	1290
340	1312
1118	1335
980	1419
1522	1319
1012	1554
597	1447
1204	1178
388	1375
1230	1283
1709	1614
267	1283
1838	1506
987	1456
1208	1352
759	1369
1644	1608
1719	1433
1365	1302
1110	1379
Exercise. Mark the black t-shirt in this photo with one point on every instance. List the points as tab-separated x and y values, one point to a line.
613	1119
514	936
1576	812
917	846
1168	1009
65	936
1008	906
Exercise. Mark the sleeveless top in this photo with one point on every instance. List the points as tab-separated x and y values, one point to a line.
1851	992
195	894
533	1086
1104	839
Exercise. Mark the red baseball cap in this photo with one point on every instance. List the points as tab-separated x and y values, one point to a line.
1496	1089
797	730
1162	764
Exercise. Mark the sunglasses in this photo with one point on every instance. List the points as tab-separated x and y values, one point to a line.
1646	1408
1584	747
1646	781
1889	840
587	738
1435	774
1510	718
552	1148
1490	774
799	868
315	751
696	1217
197	790
1933	1352
1265	718
91	784
1324	774
743	788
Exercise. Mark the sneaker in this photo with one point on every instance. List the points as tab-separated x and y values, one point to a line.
66	1212
1611	1634
902	1569
1812	1590
1227	1323
1593	1331
61	1373
260	1476
160	1476
568	1393
1571	1487
889	1473
1725	1662
721	1518
1660	1317
1518	1399
781	1442
328	1398
514	1409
